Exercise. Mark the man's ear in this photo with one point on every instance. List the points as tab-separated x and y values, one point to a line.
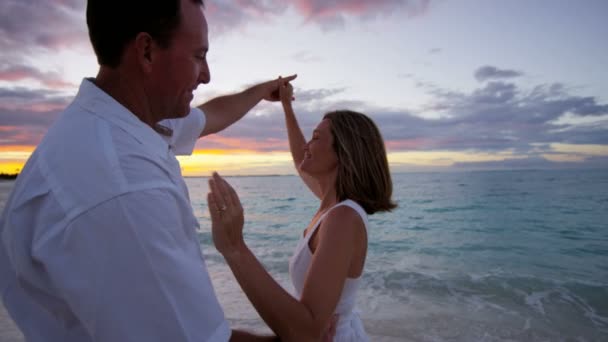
144	48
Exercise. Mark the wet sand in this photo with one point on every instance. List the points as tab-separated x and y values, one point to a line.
10	333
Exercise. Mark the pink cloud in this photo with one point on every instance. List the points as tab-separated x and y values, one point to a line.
21	72
316	10
406	144
243	144
331	14
27	26
233	15
20	136
227	16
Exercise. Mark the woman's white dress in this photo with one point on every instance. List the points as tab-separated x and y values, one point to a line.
349	327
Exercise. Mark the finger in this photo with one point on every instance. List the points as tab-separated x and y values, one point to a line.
229	192
221	185
290	78
233	197
212	206
216	195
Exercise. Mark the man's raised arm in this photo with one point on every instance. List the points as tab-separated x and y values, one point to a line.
223	111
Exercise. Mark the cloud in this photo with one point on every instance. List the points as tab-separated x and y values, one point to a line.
26	114
496	117
305	57
16	72
501	116
315	9
225	16
489	72
30	29
27	26
228	15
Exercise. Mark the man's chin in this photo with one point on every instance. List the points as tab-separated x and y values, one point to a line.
182	113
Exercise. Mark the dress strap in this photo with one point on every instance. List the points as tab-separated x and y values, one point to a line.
349	203
358	208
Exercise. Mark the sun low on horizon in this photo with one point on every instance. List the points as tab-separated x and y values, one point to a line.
452	85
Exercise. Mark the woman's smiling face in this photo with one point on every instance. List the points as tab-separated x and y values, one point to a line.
319	155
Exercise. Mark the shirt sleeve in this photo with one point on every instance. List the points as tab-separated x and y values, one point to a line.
131	269
186	131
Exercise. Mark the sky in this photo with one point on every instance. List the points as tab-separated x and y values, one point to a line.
452	84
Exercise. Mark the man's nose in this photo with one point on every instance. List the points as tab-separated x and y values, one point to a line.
205	75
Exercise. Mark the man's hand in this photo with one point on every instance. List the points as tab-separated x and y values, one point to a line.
274	86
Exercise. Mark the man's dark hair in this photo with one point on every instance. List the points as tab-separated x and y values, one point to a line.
114	23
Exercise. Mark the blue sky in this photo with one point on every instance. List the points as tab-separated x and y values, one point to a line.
452	84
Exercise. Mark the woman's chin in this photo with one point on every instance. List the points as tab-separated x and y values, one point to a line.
303	167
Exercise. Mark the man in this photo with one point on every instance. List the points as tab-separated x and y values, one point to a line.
98	236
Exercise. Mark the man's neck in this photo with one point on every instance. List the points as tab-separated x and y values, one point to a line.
125	91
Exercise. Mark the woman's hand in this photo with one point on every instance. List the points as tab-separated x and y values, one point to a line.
330	331
226	216
285	92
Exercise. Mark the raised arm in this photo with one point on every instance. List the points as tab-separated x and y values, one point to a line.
292	320
223	111
296	137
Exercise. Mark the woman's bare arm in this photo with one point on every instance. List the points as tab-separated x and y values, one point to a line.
296	137
308	318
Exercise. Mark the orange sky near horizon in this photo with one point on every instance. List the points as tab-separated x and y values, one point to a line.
251	162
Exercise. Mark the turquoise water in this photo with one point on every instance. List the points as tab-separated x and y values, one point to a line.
469	256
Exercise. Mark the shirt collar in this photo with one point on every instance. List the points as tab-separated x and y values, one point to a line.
99	103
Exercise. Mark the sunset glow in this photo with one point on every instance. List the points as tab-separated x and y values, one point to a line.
452	85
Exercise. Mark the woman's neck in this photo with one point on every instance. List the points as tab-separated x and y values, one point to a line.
328	192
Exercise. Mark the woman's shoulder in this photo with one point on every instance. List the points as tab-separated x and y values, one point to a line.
355	207
343	226
346	213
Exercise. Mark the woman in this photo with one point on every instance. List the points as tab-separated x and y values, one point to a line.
345	166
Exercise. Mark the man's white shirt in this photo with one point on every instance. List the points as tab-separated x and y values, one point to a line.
98	237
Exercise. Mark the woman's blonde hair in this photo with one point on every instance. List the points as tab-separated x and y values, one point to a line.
363	172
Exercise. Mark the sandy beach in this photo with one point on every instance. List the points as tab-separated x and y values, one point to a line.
10	333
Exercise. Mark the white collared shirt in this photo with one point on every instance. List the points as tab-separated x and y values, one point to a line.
98	236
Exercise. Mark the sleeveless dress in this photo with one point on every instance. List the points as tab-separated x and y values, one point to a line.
349	327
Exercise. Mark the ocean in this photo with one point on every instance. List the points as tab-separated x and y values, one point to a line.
467	256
